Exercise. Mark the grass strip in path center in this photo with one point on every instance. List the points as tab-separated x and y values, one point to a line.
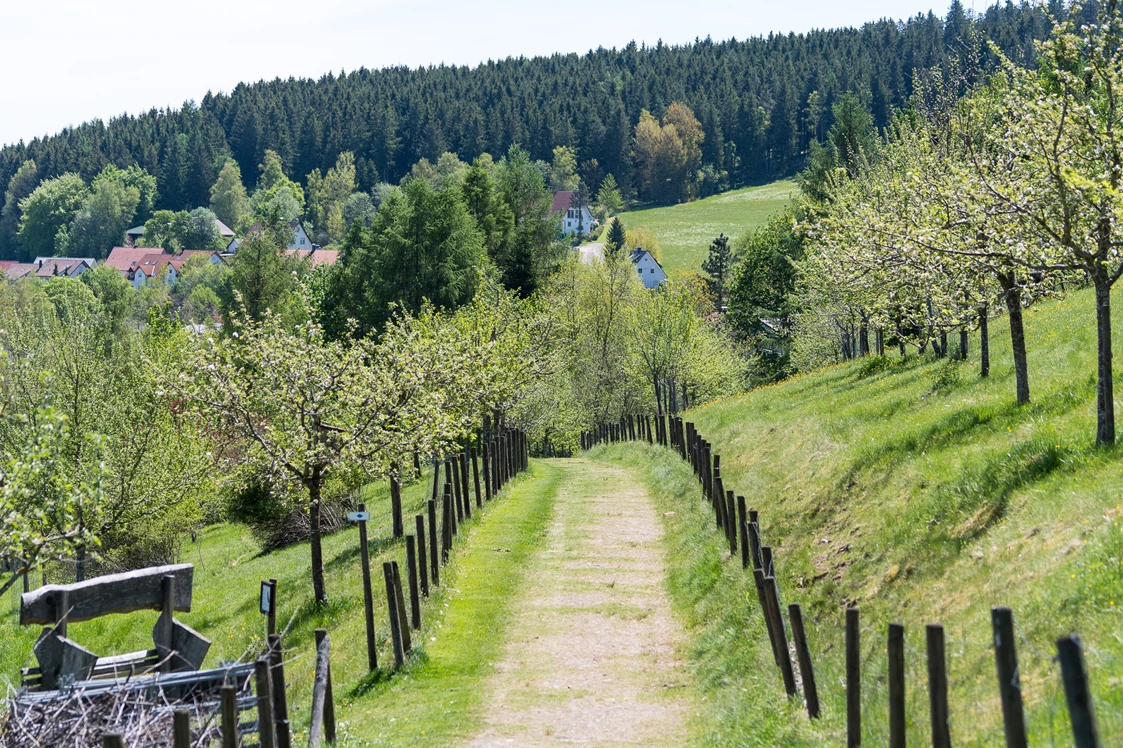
437	698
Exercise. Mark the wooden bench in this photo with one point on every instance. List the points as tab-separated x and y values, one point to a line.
166	589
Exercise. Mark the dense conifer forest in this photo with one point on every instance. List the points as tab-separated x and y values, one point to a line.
760	101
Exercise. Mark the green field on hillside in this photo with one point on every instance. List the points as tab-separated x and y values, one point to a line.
922	494
685	231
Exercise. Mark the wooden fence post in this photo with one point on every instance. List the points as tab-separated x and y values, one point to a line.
938	686
488	493
853	679
434	561
1009	681
229	717
368	593
446	524
280	695
322	726
266	729
422	560
411	572
396	499
758	580
454	478
896	685
730	515
772	595
1074	674
476	476
395	616
743	528
164	624
112	740
464	484
403	615
803	655
181	728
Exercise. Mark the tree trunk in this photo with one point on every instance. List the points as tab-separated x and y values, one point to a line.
1105	403
314	486
1012	295
984	342
396	500
943	345
863	340
963	345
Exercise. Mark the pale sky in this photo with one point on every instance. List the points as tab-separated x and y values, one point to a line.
68	61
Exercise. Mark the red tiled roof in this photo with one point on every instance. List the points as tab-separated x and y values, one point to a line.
5	264
316	256
20	270
152	264
125	258
563	199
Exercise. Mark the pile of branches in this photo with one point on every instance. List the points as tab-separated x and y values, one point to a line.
77	719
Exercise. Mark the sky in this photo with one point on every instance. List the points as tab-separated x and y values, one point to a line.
69	61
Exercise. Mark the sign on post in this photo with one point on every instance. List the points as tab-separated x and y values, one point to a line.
267	604
358	516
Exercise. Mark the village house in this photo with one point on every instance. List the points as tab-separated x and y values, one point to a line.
69	267
316	256
141	264
297	241
575	219
649	269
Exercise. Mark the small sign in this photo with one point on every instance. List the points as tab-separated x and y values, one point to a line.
358	516
268	598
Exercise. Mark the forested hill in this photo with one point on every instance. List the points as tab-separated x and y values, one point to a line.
759	101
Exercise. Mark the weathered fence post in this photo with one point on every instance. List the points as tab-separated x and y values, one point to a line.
280	696
181	728
434	561
112	740
446	524
476	476
266	729
411	572
731	514
743	528
165	623
464	484
368	593
853	679
770	626
896	685
772	595
938	686
1009	680
403	619
422	561
395	618
488	492
322	726
1074	674
454	478
229	702
803	655
396	499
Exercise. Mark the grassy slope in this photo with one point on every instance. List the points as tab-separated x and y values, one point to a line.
685	231
460	619
920	506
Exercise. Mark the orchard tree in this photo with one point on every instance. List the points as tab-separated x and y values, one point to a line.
1063	146
298	407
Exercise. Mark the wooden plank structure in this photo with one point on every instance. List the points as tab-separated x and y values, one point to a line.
167	589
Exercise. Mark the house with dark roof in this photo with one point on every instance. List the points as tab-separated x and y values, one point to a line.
68	267
576	216
649	269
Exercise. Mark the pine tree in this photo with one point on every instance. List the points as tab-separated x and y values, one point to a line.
616	237
718	266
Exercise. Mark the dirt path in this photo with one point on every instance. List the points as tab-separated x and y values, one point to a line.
594	650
